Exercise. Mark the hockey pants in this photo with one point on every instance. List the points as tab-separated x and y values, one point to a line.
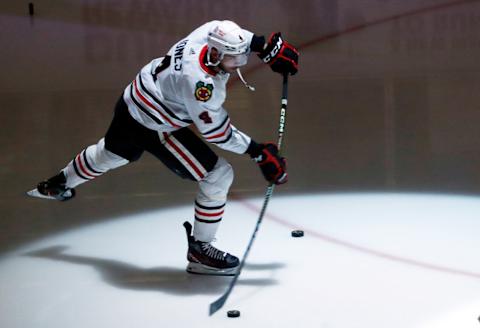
181	151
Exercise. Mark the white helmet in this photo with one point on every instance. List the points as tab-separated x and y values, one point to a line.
229	39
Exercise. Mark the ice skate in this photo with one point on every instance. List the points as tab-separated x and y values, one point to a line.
53	188
205	259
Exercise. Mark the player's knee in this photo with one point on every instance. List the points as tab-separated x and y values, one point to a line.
225	172
218	181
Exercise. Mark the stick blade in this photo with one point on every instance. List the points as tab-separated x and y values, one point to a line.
218	304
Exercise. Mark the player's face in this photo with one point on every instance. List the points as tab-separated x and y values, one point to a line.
230	63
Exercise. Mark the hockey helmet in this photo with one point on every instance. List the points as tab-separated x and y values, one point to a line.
229	40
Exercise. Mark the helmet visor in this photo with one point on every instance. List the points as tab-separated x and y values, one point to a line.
234	61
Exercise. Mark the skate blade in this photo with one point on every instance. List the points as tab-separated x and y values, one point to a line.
197	268
37	194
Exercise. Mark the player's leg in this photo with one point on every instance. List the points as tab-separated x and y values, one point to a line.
116	149
209	208
188	156
211	199
89	164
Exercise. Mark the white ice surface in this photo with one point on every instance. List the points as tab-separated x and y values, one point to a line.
367	260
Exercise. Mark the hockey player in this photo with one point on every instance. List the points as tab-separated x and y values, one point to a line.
185	87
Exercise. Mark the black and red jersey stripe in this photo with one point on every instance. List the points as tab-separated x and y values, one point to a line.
220	134
83	168
229	136
161	104
200	172
139	94
143	109
148	104
208	214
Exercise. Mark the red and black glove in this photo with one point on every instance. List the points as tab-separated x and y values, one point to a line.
273	167
280	55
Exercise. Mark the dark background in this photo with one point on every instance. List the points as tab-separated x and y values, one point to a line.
387	99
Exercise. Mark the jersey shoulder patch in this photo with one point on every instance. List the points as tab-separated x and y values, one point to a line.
203	91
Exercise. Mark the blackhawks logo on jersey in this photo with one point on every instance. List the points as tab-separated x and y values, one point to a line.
203	92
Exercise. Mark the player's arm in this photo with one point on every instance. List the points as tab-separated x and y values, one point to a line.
226	136
215	126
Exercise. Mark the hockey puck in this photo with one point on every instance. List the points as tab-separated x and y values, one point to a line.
233	314
297	233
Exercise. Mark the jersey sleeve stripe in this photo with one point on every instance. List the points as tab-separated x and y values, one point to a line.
156	100
217	128
221	134
143	109
226	140
149	104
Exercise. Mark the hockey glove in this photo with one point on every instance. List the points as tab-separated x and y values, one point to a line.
280	55
273	166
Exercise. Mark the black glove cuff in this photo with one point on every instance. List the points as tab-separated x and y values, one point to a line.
257	44
254	149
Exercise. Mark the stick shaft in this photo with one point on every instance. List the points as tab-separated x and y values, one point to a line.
217	305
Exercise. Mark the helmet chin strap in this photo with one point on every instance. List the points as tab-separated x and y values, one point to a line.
243	80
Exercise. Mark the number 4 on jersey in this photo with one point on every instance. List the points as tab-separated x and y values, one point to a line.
205	117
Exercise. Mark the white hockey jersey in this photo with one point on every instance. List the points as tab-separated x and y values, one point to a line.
178	90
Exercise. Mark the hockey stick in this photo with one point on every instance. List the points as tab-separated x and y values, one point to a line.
217	305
